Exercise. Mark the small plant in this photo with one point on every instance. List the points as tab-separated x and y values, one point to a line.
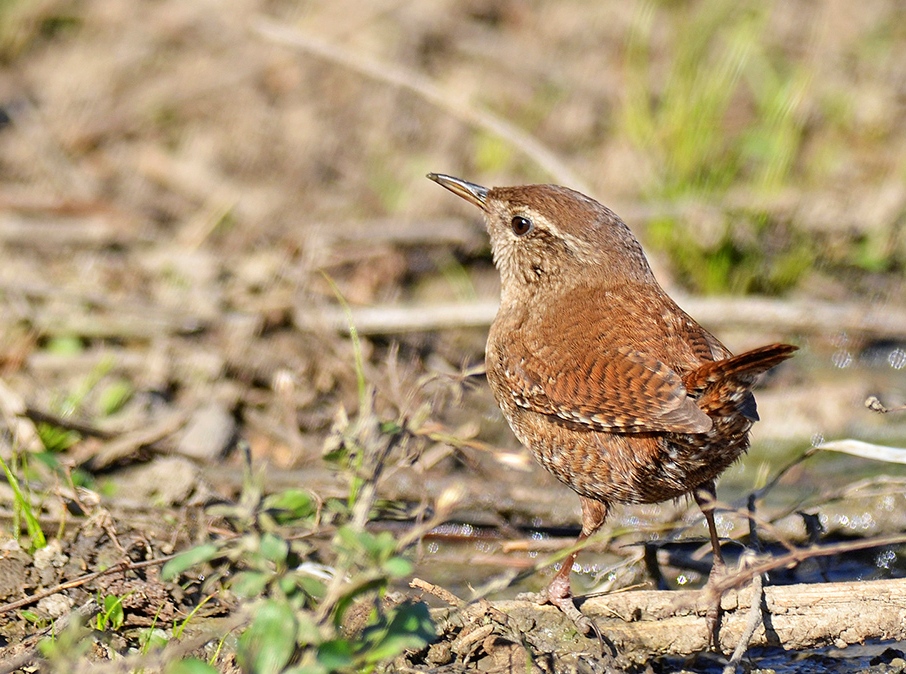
108	397
181	627
719	56
727	114
300	598
736	264
151	638
68	644
38	621
111	615
297	603
22	509
190	666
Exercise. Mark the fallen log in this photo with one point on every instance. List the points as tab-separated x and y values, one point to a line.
641	624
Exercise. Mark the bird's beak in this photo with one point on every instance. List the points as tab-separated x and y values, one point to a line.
475	194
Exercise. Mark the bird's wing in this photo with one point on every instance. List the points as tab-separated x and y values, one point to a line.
620	389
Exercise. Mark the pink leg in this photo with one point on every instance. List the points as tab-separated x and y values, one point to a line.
558	592
705	497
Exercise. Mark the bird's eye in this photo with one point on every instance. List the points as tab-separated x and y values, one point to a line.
521	226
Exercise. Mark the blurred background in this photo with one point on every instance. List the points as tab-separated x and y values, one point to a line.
190	192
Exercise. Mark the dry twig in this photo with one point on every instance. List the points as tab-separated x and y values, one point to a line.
426	89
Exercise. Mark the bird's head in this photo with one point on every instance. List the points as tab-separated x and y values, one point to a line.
547	236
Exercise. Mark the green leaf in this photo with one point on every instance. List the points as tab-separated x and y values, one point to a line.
397	567
114	396
384	545
292	588
274	548
349	537
377	547
373	545
290	505
190	666
410	627
336	654
113	612
152	637
186	560
56	439
391	427
22	506
65	345
110	602
250	584
268	644
314	668
313	587
309	633
31	616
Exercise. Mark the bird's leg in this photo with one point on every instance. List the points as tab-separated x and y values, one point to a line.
558	591
706	497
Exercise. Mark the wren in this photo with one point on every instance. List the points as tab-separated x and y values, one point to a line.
615	389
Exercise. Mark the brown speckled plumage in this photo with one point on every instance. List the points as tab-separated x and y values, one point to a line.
615	389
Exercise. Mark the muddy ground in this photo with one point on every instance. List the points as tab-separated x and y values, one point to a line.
190	192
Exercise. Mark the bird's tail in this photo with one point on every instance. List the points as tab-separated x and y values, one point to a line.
728	383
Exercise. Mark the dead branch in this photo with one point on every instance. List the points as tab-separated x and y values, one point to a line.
49	232
426	89
126	444
132	323
866	450
875	405
750	313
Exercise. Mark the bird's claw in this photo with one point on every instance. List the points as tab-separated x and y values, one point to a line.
585	625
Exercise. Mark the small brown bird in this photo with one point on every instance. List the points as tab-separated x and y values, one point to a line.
615	389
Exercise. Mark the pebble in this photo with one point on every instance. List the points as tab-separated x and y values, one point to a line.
210	433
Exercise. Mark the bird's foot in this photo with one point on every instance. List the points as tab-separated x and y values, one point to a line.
544	597
585	625
558	594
